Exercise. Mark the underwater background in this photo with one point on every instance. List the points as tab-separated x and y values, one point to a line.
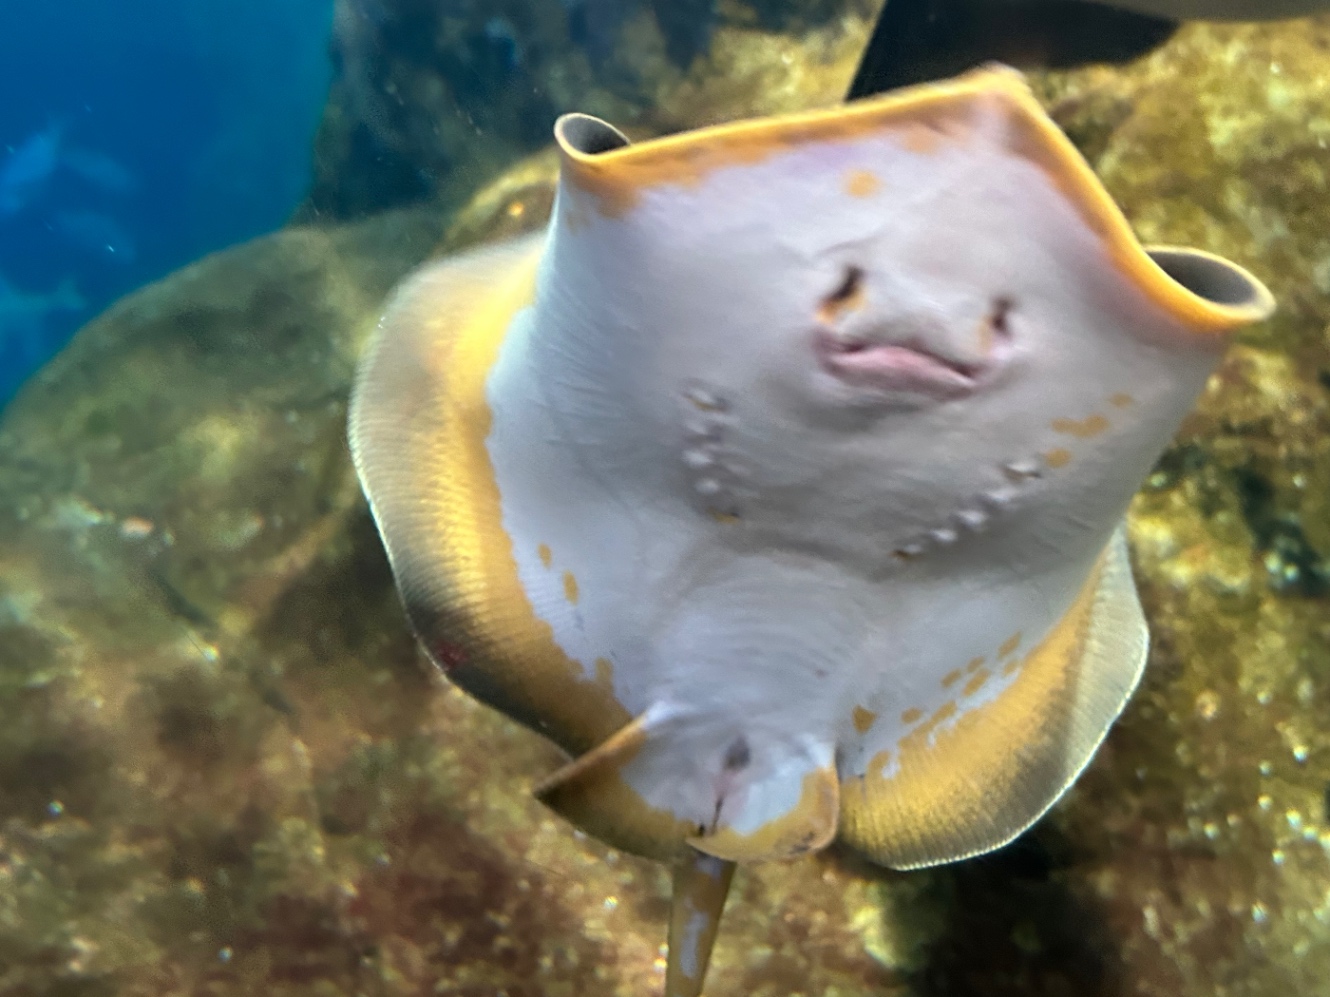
225	768
137	136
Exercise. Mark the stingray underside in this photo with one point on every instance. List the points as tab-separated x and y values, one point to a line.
960	785
972	785
418	425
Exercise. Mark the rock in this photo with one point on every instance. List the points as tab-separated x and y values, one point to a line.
224	767
432	100
1202	830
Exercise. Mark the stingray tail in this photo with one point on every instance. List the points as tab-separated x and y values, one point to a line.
701	883
919	40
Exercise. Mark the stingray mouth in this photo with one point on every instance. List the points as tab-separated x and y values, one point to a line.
903	353
896	367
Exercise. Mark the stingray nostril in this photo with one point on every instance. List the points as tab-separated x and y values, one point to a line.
999	317
738	754
847	296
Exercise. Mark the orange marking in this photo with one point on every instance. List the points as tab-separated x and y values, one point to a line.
863	719
1084	430
1010	644
1057	458
1033	136
1121	400
570	587
951	678
923	117
862	183
546	555
985	334
877	765
976	682
617	178
525	672
945	712
1013	666
974	665
849	297
978	765
922	138
912	715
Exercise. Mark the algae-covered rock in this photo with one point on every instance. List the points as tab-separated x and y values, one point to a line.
225	769
1204	826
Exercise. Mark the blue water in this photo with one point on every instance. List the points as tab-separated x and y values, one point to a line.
178	127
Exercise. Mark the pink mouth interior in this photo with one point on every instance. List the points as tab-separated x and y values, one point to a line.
892	367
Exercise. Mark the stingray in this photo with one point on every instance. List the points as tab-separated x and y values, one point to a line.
918	40
780	480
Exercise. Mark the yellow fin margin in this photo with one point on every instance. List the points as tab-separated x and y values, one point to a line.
976	785
418	425
926	115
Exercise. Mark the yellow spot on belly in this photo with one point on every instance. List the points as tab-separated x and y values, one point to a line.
951	678
912	715
974	665
984	332
1057	458
605	674
1013	666
862	183
1010	644
976	682
863	719
546	555
945	712
1121	400
877	765
617	178
570	587
725	518
919	137
1084	429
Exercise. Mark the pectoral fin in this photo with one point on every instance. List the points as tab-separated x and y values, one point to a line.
975	785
